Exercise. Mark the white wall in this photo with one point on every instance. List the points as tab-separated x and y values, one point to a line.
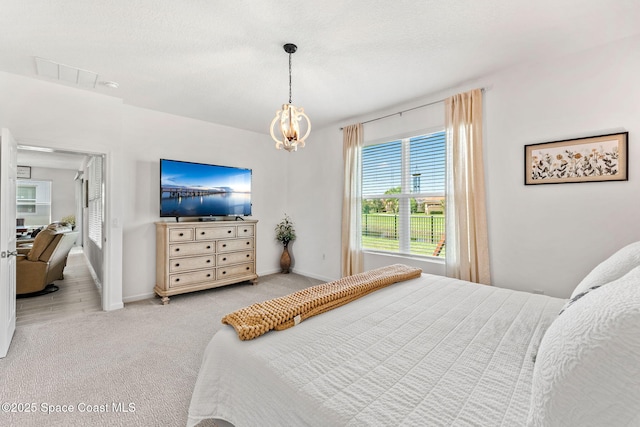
52	115
550	236
543	237
40	113
63	190
314	204
150	135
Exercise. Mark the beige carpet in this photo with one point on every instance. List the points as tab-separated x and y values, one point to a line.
143	358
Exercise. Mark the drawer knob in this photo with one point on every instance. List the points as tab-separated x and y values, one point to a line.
224	246
208	247
248	243
245	230
224	259
177	249
229	231
208	274
208	261
181	234
248	255
177	264
177	280
248	268
224	272
202	232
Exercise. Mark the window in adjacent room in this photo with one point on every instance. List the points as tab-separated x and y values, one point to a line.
95	200
403	196
33	202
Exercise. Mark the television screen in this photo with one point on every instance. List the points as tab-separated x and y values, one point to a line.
196	189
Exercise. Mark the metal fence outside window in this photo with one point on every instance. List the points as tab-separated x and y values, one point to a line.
380	231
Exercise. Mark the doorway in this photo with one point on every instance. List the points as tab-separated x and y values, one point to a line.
67	173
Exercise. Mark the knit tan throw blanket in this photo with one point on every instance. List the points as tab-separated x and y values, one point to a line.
284	312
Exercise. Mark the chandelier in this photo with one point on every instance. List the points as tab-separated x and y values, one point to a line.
289	118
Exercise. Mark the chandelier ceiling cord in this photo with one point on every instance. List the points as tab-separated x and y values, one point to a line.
290	49
289	118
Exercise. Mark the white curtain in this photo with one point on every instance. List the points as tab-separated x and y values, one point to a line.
467	244
352	258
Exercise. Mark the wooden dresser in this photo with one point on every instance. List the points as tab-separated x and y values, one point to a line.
191	256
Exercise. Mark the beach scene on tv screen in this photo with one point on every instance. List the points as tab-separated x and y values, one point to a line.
195	189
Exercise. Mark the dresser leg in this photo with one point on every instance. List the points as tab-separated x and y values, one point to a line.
254	281
165	300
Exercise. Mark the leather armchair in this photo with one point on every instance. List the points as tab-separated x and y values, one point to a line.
44	262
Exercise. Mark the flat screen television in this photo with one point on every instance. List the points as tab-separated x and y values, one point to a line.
202	190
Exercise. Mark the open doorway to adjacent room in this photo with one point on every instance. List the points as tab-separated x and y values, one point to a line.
61	190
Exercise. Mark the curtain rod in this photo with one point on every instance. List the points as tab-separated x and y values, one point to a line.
405	111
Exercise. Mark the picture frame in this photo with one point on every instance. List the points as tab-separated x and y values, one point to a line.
23	172
591	159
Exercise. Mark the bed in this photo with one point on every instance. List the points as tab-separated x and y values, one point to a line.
438	351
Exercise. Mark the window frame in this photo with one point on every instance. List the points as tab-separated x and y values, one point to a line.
43	190
95	211
404	197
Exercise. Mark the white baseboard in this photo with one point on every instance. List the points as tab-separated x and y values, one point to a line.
138	297
313	276
94	276
268	272
296	271
115	307
141	297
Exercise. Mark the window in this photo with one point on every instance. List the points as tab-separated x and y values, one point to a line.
403	196
33	202
95	190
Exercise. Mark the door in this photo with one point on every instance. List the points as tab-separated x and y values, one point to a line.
8	170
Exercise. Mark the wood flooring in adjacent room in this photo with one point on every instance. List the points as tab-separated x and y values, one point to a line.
77	294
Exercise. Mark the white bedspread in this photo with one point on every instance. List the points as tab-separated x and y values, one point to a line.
430	351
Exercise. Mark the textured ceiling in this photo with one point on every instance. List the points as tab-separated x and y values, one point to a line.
223	62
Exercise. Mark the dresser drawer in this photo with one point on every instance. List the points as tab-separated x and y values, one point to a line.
210	233
246	230
194	263
235	270
185	279
235	257
186	249
181	235
234	245
195	255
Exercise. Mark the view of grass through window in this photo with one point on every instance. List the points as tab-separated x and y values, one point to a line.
403	198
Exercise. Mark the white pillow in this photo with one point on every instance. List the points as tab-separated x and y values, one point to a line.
587	370
614	267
